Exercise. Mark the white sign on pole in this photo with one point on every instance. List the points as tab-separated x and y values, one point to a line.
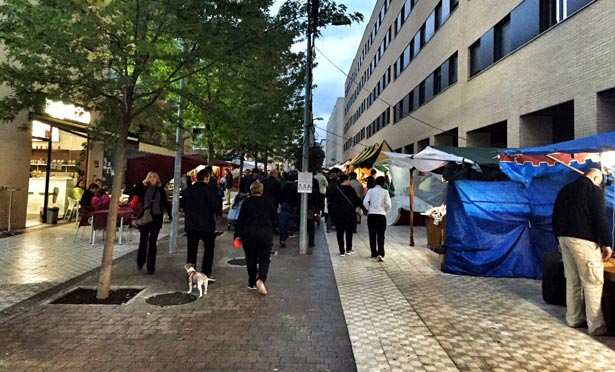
304	184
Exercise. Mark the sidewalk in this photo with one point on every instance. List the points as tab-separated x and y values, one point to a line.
298	326
323	313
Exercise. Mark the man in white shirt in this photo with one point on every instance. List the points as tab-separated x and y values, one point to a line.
378	203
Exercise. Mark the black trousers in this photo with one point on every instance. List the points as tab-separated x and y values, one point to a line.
148	244
209	241
345	229
376	225
258	257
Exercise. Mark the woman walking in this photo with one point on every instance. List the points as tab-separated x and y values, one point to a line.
154	201
378	203
343	202
255	229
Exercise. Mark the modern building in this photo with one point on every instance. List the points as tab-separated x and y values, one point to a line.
510	73
334	136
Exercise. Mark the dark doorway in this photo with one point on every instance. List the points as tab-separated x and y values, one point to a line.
494	135
448	138
549	125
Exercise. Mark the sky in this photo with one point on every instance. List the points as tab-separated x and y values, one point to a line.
339	44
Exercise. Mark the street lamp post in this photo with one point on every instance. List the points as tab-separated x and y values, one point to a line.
303	238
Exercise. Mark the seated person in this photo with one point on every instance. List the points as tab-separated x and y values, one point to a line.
79	190
101	200
86	199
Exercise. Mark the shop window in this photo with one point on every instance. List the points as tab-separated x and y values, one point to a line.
502	44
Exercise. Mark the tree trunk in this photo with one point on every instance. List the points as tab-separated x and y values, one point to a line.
210	153
104	282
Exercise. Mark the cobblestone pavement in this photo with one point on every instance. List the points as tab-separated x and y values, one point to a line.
323	313
298	326
405	314
45	257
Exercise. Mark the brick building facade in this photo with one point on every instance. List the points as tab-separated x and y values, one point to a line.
511	73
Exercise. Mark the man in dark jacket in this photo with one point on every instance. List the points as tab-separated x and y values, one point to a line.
581	228
200	205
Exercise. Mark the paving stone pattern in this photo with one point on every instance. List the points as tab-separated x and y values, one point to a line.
406	315
298	326
323	313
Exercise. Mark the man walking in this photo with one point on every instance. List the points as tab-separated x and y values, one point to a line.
201	203
582	231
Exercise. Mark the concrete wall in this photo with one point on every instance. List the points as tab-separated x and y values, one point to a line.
15	152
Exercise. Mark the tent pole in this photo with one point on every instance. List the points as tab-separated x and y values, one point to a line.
412	207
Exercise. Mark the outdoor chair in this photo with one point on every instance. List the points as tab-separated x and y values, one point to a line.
71	209
99	223
83	220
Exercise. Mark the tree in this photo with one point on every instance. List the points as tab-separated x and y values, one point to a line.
115	57
121	58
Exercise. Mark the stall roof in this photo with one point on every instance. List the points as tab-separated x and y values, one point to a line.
592	144
370	155
435	157
137	168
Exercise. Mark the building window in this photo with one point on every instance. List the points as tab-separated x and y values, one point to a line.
437	81
417	43
502	42
410	101
548	13
422	38
421	93
452	69
453	4
438	15
430	26
475	58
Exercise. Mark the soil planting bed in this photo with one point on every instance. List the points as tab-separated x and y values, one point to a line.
87	296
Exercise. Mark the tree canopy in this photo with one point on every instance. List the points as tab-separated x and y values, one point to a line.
124	59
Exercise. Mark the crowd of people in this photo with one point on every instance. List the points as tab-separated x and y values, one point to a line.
271	207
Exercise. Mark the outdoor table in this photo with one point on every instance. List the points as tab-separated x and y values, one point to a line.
123	213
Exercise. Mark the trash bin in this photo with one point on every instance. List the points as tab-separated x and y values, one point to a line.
52	215
435	233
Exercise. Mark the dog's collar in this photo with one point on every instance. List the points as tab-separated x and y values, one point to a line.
191	274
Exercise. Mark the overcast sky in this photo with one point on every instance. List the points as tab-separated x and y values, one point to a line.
339	44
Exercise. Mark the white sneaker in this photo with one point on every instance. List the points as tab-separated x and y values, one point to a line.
380	259
342	255
349	252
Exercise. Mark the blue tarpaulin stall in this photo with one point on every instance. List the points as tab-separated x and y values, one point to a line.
503	229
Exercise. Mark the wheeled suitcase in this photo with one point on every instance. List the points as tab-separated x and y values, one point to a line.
553	279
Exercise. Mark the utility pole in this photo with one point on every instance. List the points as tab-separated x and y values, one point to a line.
303	237
179	143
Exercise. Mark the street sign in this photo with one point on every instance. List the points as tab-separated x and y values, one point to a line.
304	183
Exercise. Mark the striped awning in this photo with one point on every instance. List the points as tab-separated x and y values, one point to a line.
370	155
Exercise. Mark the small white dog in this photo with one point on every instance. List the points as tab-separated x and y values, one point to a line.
196	278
